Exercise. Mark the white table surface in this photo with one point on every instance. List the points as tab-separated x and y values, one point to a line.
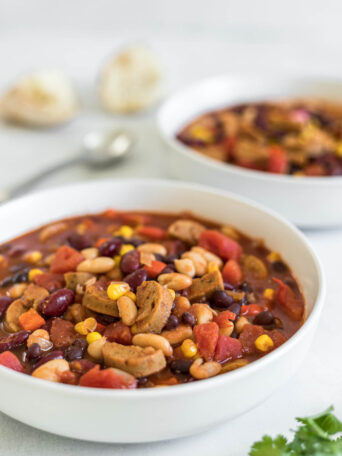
318	383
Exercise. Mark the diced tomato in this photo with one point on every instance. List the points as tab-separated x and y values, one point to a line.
227	349
49	281
206	336
31	320
107	378
8	359
152	232
118	332
155	269
66	260
251	310
277	162
224	318
287	300
232	272
221	245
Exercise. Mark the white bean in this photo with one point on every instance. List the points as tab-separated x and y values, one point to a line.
155	341
151	247
200	370
127	310
198	260
52	370
185	266
90	253
175	281
97	265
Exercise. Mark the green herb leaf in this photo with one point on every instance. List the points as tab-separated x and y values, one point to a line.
270	447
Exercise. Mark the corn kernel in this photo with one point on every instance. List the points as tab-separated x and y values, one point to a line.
33	257
93	336
117	289
201	132
273	256
264	343
86	326
125	231
212	266
132	296
338	151
189	348
173	293
269	293
126	248
117	260
134	329
33	273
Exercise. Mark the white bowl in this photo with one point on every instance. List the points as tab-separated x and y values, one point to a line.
160	413
307	201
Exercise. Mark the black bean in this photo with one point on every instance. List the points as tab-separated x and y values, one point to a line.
81	343
130	262
73	352
110	248
33	352
228	286
105	319
235	308
172	323
136	278
57	303
19	277
264	318
189	319
221	299
279	266
244	286
79	241
142	381
17	267
180	366
5	301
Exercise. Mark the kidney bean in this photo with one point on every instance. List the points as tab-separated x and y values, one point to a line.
57	354
142	381
264	318
136	278
180	366
110	247
105	319
33	352
130	262
81	343
221	299
13	341
79	241
171	323
5	301
189	319
235	308
57	303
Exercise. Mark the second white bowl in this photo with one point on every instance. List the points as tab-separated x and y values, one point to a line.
308	201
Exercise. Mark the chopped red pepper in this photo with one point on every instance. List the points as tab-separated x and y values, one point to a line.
152	232
224	318
155	269
287	300
251	310
107	378
8	359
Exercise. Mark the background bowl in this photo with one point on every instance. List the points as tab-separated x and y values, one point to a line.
171	412
308	202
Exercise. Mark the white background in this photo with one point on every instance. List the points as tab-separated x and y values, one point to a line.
194	39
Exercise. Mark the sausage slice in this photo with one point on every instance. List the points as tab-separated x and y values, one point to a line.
95	298
154	303
205	286
137	361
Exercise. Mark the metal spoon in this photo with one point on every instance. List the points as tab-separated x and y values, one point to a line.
99	150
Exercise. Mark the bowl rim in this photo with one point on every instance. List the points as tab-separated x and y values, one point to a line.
196	386
228	168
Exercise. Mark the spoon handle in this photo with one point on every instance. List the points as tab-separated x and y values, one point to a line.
23	187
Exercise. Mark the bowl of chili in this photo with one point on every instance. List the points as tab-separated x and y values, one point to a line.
119	306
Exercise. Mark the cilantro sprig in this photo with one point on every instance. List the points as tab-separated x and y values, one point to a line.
316	436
